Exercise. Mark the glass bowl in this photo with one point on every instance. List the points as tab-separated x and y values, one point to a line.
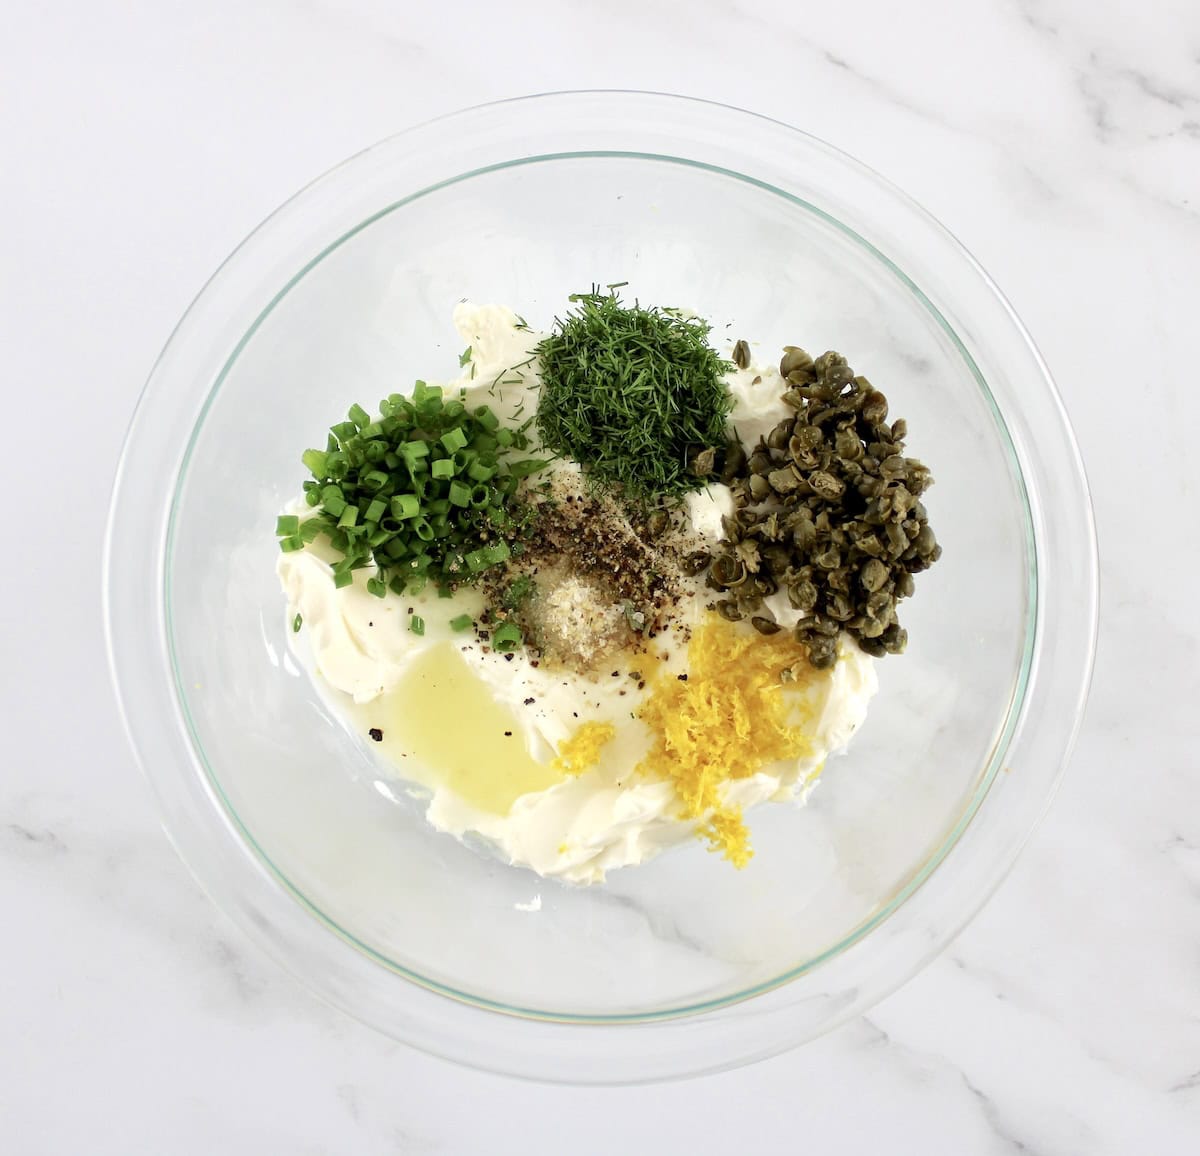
682	965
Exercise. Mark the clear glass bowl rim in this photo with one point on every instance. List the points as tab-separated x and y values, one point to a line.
241	880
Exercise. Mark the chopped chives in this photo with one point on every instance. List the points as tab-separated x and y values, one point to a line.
421	491
459	624
454	439
507	636
405	506
297	622
416	624
316	461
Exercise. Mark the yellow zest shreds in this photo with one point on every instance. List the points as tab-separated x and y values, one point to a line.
582	750
727	720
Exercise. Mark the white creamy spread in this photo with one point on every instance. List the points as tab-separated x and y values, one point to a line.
583	825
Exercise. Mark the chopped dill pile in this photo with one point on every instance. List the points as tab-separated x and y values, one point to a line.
632	394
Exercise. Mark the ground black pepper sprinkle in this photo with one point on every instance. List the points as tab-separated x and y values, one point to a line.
376	734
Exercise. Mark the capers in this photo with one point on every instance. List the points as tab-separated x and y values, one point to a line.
873	575
730	611
803	595
875	408
826	485
760	488
696	562
741	355
735	462
830	510
704	463
764	625
783	481
759	462
728	570
656	523
793	358
777	439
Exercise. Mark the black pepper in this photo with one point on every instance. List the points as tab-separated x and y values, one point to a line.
376	734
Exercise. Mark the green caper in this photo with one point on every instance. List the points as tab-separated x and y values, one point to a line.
728	570
764	625
875	407
704	463
848	445
873	575
802	595
784	481
825	485
777	439
741	355
656	523
730	611
760	488
793	358
760	462
695	562
735	462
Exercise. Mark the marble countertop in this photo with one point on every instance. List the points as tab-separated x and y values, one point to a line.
1059	139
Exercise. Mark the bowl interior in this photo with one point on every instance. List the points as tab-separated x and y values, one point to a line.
371	314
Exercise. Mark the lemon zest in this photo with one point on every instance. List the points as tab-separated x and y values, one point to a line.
581	751
726	721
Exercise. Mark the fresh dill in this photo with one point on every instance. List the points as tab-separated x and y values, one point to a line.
632	393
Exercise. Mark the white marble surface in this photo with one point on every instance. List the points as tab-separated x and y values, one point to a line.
141	139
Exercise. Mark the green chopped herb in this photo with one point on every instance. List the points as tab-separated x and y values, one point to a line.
417	624
518	592
297	622
464	357
634	394
507	636
461	623
425	491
